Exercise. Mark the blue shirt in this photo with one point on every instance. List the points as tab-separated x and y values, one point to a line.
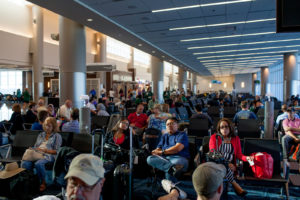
53	143
167	141
36	126
244	114
72	126
284	116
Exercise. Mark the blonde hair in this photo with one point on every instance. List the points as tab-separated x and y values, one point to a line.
53	122
157	106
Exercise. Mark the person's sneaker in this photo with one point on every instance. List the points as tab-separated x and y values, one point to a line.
168	186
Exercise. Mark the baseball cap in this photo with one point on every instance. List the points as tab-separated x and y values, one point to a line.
208	177
87	167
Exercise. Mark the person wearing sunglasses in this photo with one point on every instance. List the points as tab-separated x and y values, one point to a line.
229	146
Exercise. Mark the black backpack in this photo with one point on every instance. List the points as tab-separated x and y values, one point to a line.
22	186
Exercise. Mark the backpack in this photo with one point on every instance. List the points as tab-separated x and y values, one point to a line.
22	186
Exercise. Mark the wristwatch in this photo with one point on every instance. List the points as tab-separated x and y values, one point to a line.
163	152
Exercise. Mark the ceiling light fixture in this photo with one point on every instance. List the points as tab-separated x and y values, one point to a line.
89	20
254	49
200	5
243	58
238	44
246	54
222	24
227	36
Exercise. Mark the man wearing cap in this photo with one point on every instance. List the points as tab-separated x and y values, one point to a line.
85	178
207	182
291	126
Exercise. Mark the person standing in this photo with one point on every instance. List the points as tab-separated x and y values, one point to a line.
111	95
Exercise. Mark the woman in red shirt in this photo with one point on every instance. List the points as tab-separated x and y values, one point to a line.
230	147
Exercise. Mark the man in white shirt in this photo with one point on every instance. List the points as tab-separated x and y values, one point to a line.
65	110
103	92
111	95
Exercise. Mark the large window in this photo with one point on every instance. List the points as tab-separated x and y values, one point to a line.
168	67
275	83
10	81
141	57
257	85
118	48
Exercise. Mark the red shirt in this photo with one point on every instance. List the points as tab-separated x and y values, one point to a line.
139	121
236	143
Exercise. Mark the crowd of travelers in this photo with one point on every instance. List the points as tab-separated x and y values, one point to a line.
169	153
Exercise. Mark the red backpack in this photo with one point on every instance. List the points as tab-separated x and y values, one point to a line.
263	165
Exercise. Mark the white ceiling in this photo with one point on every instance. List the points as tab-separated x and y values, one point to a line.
133	22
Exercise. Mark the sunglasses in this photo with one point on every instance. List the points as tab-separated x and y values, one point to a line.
223	127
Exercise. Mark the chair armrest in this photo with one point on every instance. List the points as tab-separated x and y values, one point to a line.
8	150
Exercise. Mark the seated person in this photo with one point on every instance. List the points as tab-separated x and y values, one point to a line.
31	114
92	107
73	124
65	111
157	120
121	135
201	115
207	181
102	110
42	115
16	119
284	115
47	142
291	126
138	120
85	178
51	110
229	146
244	113
172	152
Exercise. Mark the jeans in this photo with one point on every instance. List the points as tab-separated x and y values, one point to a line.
286	142
39	166
164	163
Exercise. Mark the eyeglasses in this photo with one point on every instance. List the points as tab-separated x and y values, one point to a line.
72	184
171	124
124	123
223	127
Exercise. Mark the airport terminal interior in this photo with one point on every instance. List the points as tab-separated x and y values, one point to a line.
155	89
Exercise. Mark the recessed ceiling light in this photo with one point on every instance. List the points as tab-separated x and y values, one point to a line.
238	44
222	24
246	54
140	45
227	36
254	49
163	56
153	51
200	5
170	60
89	20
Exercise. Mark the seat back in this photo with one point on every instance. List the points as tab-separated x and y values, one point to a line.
213	111
23	140
229	112
99	122
198	127
83	142
67	138
270	146
129	111
261	114
248	128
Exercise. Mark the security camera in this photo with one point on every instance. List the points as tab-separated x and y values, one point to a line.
55	36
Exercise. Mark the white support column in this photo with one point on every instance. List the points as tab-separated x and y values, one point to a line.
38	49
157	68
264	80
194	83
182	79
289	74
72	50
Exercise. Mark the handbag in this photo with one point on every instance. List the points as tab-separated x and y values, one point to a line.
215	155
32	155
262	165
